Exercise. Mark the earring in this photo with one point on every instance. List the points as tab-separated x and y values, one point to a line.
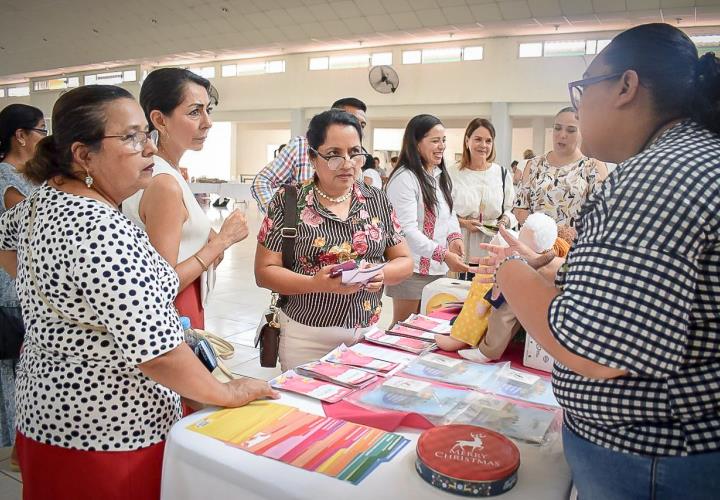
22	143
88	180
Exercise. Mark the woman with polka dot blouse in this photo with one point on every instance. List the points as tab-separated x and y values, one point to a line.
104	362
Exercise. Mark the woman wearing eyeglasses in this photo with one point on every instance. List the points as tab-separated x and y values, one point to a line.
104	363
559	182
633	319
21	127
177	104
339	219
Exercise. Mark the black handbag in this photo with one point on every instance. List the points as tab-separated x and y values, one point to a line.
12	333
268	332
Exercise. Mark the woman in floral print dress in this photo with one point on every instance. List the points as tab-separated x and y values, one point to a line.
558	183
339	219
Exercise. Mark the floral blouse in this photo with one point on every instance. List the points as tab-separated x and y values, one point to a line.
323	239
559	192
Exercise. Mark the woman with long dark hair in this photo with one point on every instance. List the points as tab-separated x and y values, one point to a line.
634	318
420	189
178	103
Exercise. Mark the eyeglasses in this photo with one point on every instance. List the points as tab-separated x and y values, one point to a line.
42	131
139	139
576	88
335	162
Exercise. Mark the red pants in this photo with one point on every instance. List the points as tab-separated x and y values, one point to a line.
188	304
51	472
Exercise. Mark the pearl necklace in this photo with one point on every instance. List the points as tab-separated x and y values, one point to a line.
339	199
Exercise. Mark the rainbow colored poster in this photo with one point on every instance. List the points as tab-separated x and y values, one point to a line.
330	446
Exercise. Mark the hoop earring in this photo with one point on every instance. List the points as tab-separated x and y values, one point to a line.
88	179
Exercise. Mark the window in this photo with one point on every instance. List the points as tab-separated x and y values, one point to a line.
473	53
21	91
591	47
533	49
2	92
109	78
381	58
412	56
601	44
561	48
349	61
275	66
56	84
441	55
73	81
253	68
206	71
319	63
41	85
229	70
705	41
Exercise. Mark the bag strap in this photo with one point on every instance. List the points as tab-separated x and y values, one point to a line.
503	173
289	229
289	233
43	297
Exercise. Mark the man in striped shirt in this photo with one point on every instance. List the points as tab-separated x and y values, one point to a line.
292	165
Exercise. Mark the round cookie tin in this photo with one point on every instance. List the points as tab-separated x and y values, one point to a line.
467	460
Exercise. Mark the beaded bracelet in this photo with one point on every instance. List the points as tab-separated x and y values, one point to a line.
507	259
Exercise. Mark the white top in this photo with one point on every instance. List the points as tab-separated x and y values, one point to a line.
76	387
195	230
403	190
481	191
374	175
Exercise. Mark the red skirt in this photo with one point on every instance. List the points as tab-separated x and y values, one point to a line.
188	304
62	473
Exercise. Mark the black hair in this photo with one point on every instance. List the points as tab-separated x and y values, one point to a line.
13	118
78	116
416	129
514	164
667	63
317	129
164	88
568	109
351	102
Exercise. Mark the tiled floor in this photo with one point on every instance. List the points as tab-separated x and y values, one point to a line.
233	312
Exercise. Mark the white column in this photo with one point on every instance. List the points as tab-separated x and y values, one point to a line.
367	140
297	122
538	128
500	118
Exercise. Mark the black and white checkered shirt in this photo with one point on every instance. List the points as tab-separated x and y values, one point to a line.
642	293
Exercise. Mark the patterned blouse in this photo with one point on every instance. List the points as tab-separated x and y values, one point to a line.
559	192
78	387
324	239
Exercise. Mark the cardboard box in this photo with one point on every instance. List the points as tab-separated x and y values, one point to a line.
536	357
441	291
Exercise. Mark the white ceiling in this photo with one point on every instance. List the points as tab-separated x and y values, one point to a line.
40	37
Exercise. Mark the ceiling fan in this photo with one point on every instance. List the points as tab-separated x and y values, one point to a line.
384	79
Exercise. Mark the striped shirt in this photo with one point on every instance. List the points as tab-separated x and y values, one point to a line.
324	239
642	293
291	166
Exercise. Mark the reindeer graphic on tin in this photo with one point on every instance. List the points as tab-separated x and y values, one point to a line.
475	444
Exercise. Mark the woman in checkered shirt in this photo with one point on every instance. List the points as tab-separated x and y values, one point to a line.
633	318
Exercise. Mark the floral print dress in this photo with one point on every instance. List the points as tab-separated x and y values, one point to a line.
559	192
323	239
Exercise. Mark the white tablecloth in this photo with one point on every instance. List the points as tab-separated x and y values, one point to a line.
199	467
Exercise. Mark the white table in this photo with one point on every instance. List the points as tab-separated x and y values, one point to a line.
199	467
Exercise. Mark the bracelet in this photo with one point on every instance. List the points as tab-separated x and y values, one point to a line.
200	261
507	259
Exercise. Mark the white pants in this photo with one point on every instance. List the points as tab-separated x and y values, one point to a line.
300	344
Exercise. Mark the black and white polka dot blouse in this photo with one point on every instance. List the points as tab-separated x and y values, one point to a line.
77	387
